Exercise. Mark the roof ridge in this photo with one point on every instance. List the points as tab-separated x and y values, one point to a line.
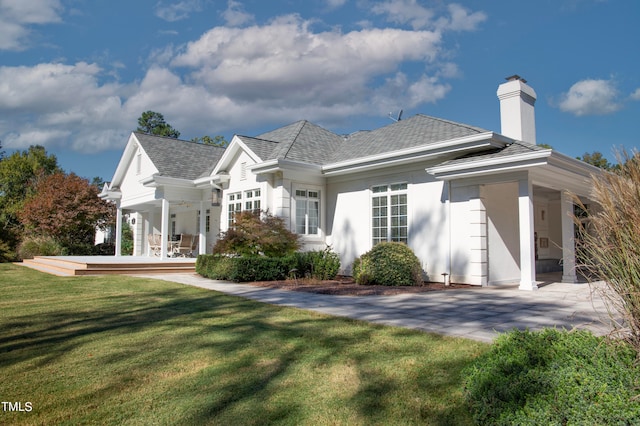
444	120
258	139
293	140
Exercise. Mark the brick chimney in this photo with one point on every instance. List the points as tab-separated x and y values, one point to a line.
517	112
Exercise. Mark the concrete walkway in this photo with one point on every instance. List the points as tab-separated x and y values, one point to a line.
477	314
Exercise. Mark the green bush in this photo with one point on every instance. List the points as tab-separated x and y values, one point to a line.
390	264
39	245
554	377
255	234
321	265
244	269
317	264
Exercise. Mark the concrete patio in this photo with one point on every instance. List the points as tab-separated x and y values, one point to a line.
477	313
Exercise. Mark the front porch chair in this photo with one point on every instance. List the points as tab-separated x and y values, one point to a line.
185	246
155	244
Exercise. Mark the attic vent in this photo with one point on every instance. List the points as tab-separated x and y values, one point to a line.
243	171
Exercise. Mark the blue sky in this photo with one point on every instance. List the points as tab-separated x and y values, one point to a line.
76	74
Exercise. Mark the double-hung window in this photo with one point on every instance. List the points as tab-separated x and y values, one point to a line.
307	211
389	213
242	201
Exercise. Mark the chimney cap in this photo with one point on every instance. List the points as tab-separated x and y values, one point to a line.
515	77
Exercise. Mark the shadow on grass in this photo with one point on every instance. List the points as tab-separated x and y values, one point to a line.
198	357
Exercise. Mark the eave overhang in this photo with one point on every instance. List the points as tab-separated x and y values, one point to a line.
155	181
483	166
213	181
281	165
110	195
479	142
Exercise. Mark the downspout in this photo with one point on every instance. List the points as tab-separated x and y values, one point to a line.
449	255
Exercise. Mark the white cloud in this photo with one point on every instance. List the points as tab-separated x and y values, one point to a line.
235	15
590	97
279	71
462	20
636	95
55	103
419	17
334	4
405	12
176	11
17	17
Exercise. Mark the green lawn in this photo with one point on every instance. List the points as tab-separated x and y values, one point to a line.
123	350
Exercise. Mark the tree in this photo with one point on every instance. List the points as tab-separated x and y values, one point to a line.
257	233
19	173
596	159
152	123
66	208
215	141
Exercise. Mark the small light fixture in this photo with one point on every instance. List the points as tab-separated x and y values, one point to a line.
215	197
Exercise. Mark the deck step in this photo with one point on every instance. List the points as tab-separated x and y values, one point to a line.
103	265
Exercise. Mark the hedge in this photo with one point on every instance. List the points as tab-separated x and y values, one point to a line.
321	265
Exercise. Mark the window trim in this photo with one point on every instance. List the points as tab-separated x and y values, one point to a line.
239	200
390	190
294	209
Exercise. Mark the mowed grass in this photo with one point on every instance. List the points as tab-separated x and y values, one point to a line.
124	350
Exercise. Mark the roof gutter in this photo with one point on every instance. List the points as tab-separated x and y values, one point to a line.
491	165
281	164
468	143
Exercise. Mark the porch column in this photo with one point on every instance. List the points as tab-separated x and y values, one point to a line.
202	238
118	230
151	229
568	240
527	242
164	230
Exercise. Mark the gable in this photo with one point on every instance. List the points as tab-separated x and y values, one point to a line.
178	158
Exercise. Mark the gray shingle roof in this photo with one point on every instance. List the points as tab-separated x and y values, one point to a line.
307	142
419	130
303	141
178	158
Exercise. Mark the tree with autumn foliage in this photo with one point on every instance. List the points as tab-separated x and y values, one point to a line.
255	233
66	208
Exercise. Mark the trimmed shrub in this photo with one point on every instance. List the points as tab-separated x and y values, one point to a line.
244	269
321	265
40	245
390	264
317	264
554	377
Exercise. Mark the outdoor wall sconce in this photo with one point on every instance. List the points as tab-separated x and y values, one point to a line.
215	197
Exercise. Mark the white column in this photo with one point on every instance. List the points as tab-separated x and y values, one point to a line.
527	242
202	242
118	230
478	261
146	231
164	229
568	240
152	227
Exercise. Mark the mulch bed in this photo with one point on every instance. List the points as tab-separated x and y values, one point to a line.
345	286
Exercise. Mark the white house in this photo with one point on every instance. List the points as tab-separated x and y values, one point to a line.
485	208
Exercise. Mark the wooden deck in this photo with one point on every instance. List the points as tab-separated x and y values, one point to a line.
104	265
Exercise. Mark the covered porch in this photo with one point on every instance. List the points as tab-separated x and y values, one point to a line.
512	215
